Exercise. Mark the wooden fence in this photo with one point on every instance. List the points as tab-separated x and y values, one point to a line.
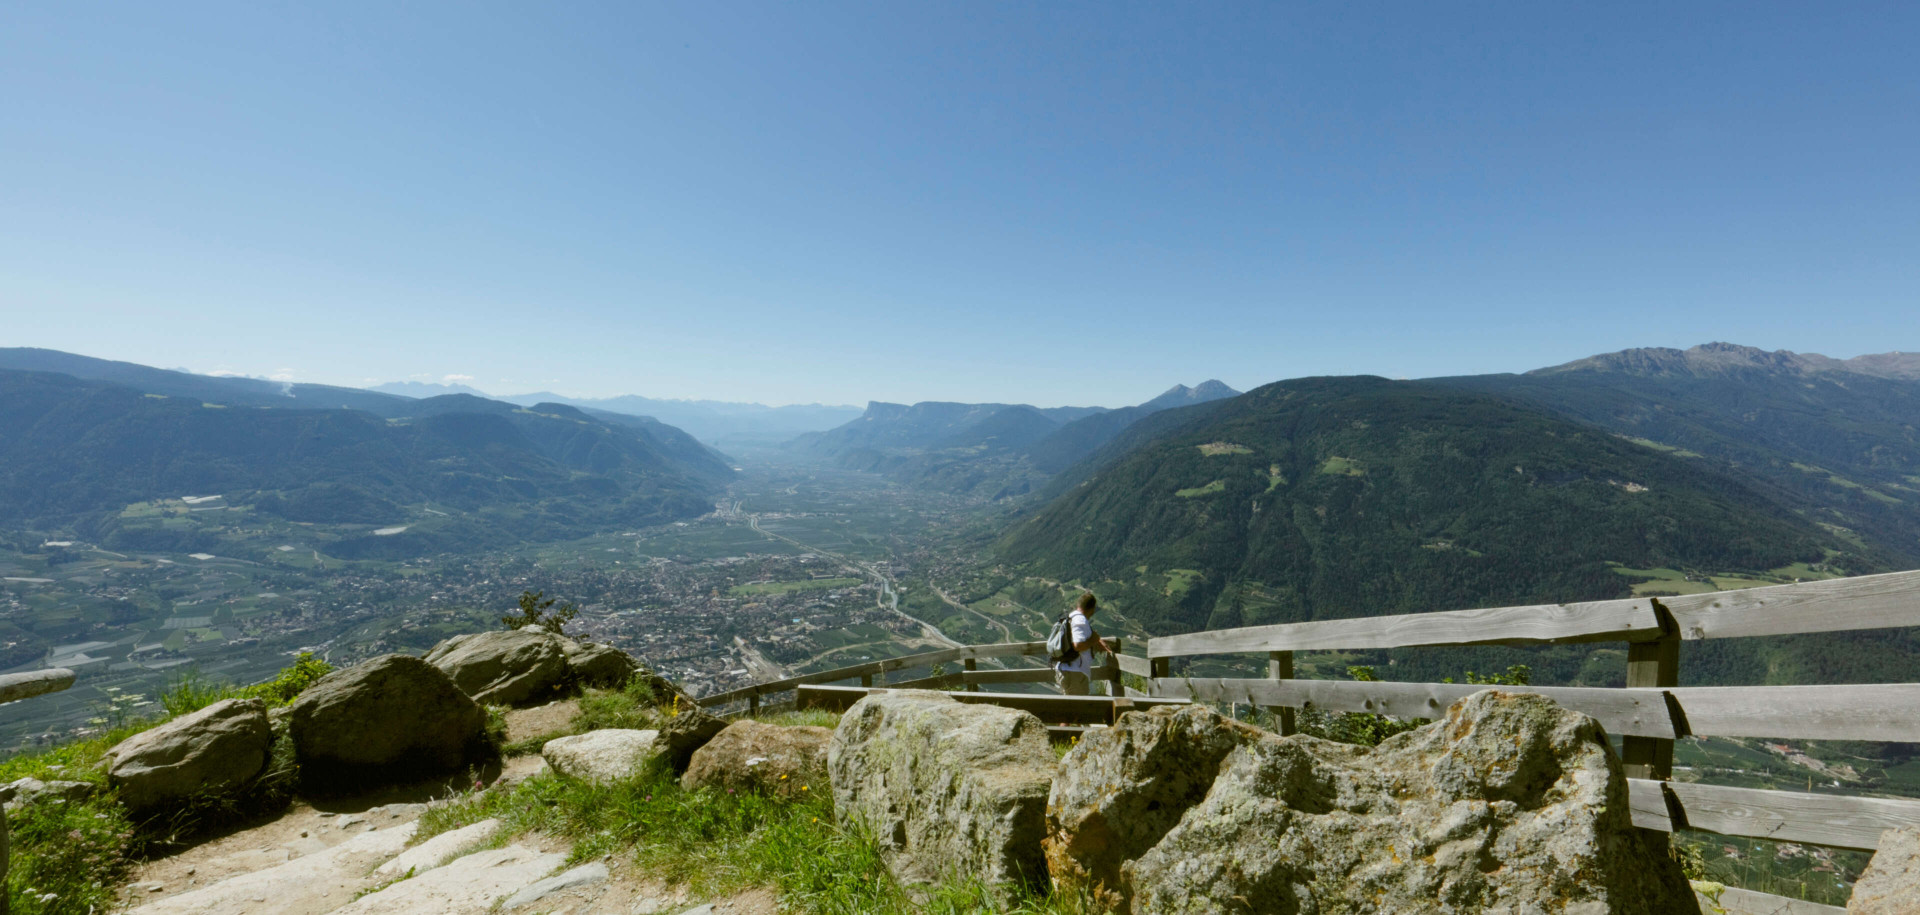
1650	713
969	676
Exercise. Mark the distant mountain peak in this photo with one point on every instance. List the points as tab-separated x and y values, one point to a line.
1721	358
420	390
1180	395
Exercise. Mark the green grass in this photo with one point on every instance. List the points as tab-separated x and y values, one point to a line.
1216	449
756	588
1339	466
1180	581
717	843
1197	491
1670	449
1275	478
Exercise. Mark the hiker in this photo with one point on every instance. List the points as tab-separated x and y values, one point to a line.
1073	672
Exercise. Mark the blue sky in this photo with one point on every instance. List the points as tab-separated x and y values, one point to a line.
1051	203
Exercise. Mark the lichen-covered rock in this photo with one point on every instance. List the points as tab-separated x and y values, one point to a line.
603	756
947	788
766	758
1509	804
224	745
687	731
598	665
504	668
21	792
1891	883
388	720
1123	787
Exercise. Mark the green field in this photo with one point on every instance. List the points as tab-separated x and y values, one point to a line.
1215	449
1207	490
1342	467
759	588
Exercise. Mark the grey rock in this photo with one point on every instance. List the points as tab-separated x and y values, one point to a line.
946	788
503	668
30	790
1509	804
385	721
603	756
585	875
224	745
598	665
1891	883
687	731
766	758
1122	788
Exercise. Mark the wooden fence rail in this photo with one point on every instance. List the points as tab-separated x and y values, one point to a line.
964	653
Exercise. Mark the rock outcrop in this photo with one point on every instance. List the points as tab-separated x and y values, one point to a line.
687	731
1509	804
504	668
1891	883
1126	786
24	791
765	758
606	755
598	665
387	720
946	788
222	746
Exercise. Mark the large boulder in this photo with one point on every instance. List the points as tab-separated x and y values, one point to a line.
598	665
765	758
947	788
504	668
1891	883
1509	804
603	756
222	746
688	730
391	719
1124	787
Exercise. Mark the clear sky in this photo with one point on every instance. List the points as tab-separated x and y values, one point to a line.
1041	202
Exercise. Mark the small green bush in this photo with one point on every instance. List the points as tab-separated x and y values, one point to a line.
536	609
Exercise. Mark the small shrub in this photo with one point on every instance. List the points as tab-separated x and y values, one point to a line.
536	609
632	706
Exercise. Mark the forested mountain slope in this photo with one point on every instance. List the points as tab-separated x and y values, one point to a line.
1337	497
78	453
1836	440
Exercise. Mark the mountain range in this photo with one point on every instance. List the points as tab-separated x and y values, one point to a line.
1639	472
719	423
992	449
87	454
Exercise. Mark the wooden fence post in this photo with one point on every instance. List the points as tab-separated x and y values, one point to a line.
1159	668
972	665
1280	667
1652	665
753	705
866	680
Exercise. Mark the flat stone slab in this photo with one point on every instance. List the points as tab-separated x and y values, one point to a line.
303	886
606	755
438	850
465	885
589	874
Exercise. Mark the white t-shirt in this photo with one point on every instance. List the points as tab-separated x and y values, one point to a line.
1078	631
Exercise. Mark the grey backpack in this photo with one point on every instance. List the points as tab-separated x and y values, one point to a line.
1060	648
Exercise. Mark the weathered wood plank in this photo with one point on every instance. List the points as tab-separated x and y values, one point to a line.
1621	711
1736	901
32	683
1784	816
904	662
1608	620
1139	667
1866	602
1878	711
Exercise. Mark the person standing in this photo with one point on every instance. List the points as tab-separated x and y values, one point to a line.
1074	675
